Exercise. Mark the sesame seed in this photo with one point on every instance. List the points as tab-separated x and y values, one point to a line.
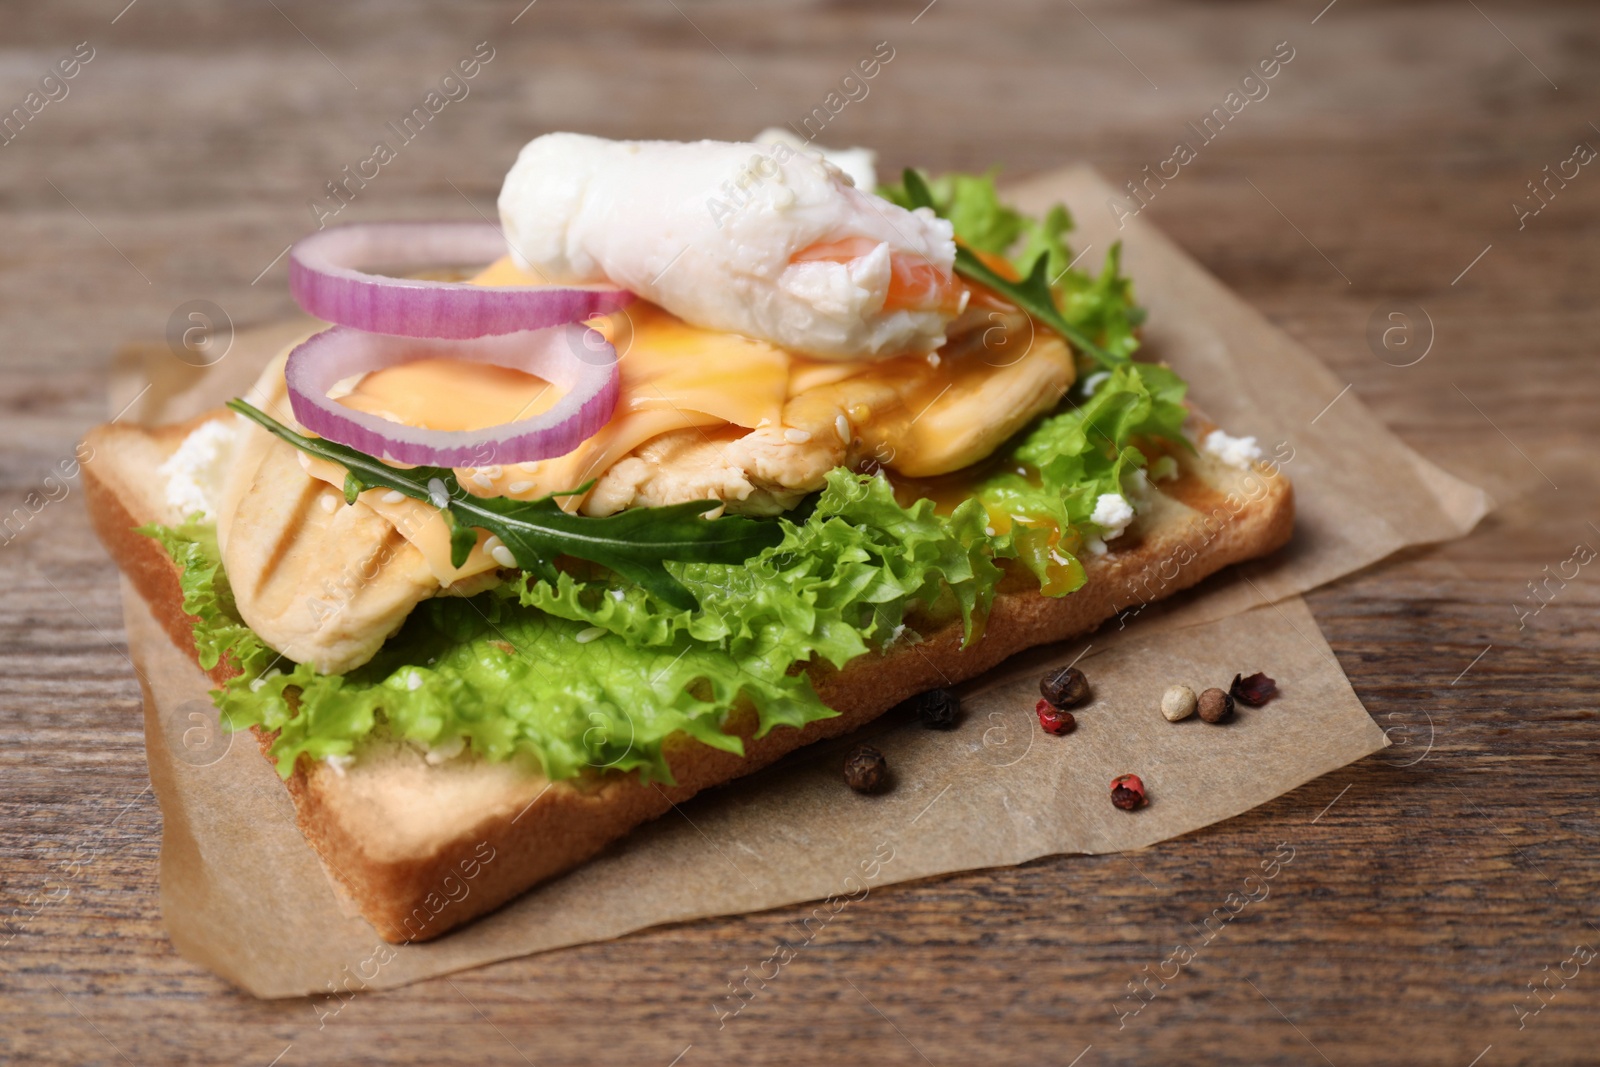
796	437
519	487
328	502
502	555
437	494
842	425
482	480
393	496
585	636
529	468
414	681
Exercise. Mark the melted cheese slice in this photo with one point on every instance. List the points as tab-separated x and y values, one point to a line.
675	376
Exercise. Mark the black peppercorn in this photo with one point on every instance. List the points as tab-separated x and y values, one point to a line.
937	708
865	769
1065	688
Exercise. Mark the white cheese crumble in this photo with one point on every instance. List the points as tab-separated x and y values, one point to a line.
1234	451
437	754
901	634
195	472
1112	513
1093	382
338	764
257	684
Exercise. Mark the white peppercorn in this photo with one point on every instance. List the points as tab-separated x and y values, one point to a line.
1179	702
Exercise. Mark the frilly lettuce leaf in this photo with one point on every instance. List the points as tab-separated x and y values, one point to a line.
594	672
1074	457
208	597
836	586
598	674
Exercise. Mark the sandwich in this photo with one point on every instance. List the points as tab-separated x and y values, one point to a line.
707	452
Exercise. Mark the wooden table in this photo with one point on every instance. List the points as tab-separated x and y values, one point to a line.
1425	896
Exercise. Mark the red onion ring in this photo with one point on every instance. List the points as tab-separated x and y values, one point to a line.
570	356
327	278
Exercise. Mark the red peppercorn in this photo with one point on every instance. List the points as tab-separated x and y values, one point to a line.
1054	720
1127	792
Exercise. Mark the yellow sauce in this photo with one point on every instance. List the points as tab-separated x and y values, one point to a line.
447	394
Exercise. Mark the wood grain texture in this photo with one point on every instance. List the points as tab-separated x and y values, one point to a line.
1419	905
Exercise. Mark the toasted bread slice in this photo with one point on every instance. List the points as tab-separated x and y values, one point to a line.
399	832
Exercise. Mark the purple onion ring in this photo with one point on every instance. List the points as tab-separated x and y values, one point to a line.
572	357
328	277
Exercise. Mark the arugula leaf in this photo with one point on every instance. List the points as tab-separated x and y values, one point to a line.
916	191
984	222
632	543
1033	294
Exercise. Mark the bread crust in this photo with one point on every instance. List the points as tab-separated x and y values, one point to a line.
505	828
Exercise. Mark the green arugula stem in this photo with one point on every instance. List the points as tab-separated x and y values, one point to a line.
1033	294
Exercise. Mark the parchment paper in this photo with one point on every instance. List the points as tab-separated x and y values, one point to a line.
243	894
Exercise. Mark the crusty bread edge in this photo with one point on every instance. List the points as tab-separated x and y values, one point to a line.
147	565
413	898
